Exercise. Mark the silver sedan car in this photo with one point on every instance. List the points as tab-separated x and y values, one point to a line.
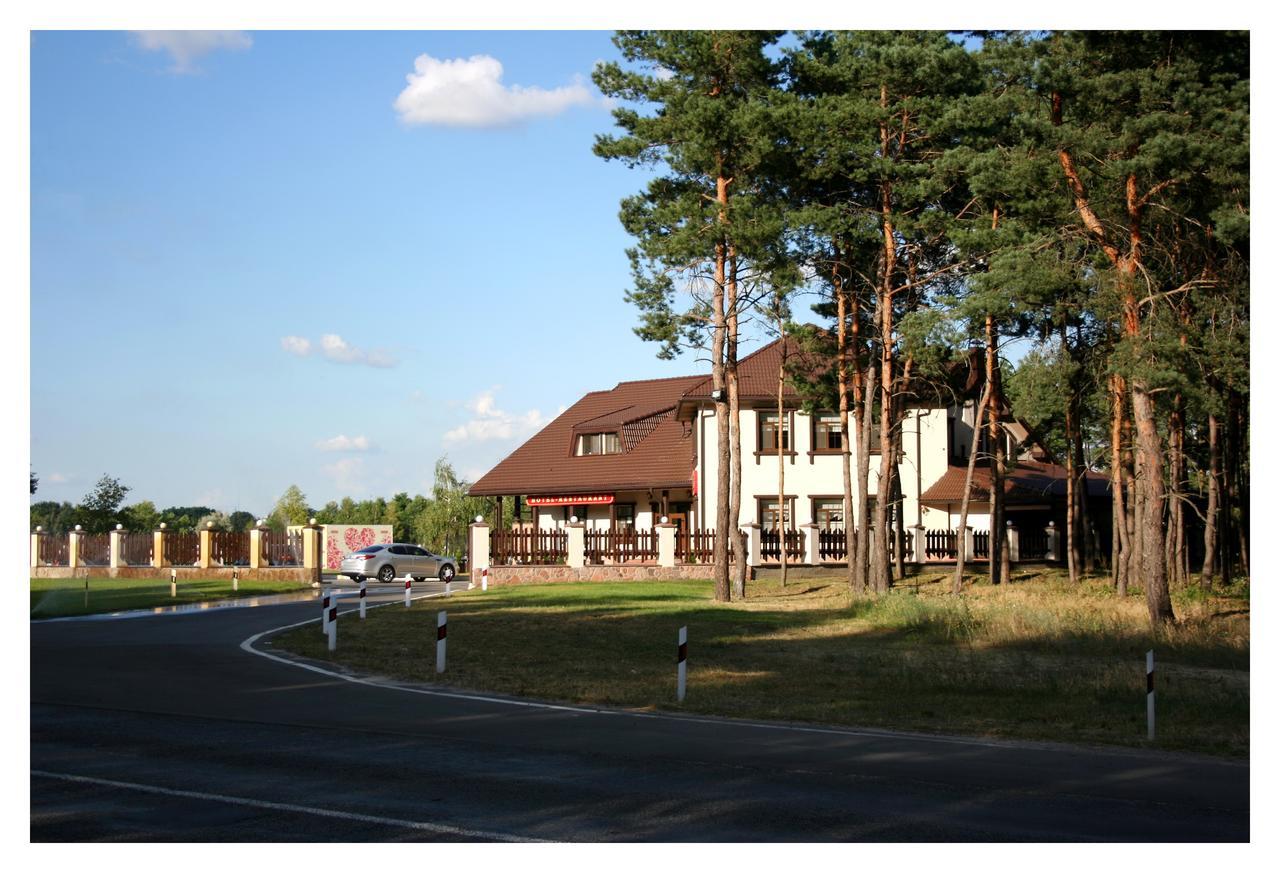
386	563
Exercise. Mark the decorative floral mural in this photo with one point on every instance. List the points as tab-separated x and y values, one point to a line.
343	539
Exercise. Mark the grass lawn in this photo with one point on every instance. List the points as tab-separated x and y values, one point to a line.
55	598
1034	659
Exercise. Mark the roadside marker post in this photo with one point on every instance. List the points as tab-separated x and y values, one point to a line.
682	654
173	583
235	580
364	592
408	589
448	588
484	579
1151	695
333	624
442	633
324	611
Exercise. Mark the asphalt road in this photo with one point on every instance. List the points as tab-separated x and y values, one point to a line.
164	729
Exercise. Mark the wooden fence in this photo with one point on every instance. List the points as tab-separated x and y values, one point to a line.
95	549
282	548
831	544
181	549
54	551
1033	545
229	548
528	547
620	546
136	548
770	548
982	544
698	546
939	545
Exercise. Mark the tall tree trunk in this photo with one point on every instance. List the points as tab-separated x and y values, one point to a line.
1119	490
1211	509
1159	606
863	557
884	309
1083	511
782	464
735	429
995	539
846	437
1073	541
957	582
719	384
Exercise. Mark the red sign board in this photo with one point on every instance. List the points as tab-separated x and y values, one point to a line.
572	500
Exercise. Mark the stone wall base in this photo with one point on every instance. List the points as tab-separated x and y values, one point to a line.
264	574
616	573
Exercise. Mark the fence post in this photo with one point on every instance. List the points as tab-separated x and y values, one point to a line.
73	547
255	544
577	545
157	547
968	543
1051	532
753	554
917	544
666	543
35	545
311	550
479	549
811	556
205	560
116	540
1011	543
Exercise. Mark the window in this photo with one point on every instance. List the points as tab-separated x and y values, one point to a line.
624	515
599	444
768	432
827	434
829	513
769	514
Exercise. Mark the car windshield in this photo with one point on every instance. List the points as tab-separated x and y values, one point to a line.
369	550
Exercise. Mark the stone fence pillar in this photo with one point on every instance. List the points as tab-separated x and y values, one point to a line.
255	545
753	554
157	547
205	560
577	545
116	538
1012	543
968	543
666	544
917	544
73	547
1052	533
480	548
811	555
35	545
312	557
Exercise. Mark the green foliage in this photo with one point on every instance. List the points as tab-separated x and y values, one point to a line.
54	517
141	516
101	505
290	509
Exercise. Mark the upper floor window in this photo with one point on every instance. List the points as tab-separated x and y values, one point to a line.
599	444
768	431
827	433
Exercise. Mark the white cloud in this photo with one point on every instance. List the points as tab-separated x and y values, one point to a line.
185	47
334	348
468	92
344	443
296	345
346	474
58	478
488	422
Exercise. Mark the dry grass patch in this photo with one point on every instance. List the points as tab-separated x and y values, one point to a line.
1035	658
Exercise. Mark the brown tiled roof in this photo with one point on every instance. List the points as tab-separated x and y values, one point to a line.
1028	482
657	449
757	374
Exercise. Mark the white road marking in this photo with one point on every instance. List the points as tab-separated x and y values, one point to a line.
429	827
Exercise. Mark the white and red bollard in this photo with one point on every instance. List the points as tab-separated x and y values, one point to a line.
235	580
442	633
1151	695
484	579
324	611
333	623
408	589
364	593
682	655
173	583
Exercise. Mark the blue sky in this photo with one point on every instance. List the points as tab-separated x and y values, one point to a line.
268	258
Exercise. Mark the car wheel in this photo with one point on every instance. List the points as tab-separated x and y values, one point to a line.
358	578
387	573
419	579
446	573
